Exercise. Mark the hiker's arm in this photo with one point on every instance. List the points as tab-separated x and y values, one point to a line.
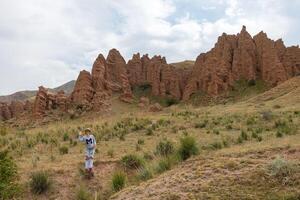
94	142
81	137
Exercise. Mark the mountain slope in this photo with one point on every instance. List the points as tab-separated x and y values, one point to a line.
27	94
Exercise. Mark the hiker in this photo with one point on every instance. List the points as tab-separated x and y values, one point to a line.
90	141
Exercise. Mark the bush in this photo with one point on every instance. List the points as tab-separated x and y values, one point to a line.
251	82
164	165
8	173
144	173
200	125
83	194
63	150
188	147
118	181
132	161
283	127
65	136
170	102
40	182
141	141
282	169
164	148
244	135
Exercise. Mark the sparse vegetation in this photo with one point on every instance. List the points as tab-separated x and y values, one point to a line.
132	161
8	175
164	148
118	181
40	182
188	147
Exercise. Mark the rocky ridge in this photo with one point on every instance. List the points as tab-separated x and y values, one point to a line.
234	57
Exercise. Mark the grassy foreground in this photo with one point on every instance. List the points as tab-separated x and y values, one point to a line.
246	150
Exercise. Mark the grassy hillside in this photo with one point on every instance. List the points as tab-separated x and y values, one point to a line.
243	150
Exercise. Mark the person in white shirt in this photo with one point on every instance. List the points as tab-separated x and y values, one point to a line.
90	146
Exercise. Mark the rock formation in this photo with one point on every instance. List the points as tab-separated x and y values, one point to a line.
83	92
5	113
144	102
40	103
16	108
240	56
102	94
234	57
116	75
164	79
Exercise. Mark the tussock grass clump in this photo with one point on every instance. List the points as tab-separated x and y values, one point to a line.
200	125
83	194
188	147
283	127
132	161
8	174
283	170
164	165
164	148
63	150
3	130
145	173
118	181
40	182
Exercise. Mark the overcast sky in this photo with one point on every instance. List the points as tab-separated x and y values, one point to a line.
47	42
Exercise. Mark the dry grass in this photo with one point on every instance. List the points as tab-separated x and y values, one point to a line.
225	166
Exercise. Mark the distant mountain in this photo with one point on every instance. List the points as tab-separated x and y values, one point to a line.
187	64
28	94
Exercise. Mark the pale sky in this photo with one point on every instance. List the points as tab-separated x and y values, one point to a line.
47	42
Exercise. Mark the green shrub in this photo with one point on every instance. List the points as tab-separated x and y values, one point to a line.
141	141
65	136
118	181
63	150
149	131
83	194
164	148
283	127
8	174
170	101
144	174
244	135
40	182
164	165
251	82
200	125
283	170
279	134
188	147
3	130
132	161
216	131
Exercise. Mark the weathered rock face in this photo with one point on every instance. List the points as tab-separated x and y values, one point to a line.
61	101
102	94
116	75
240	56
144	102
155	107
83	92
40	103
16	108
5	112
165	80
271	69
